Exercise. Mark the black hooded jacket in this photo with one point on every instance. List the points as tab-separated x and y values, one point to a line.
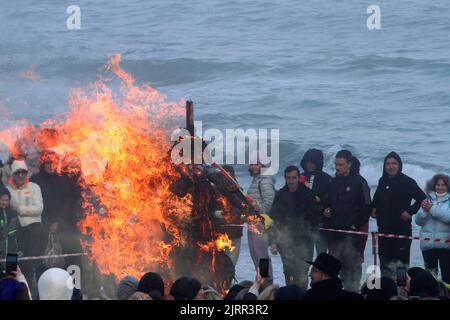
349	200
393	196
295	214
322	180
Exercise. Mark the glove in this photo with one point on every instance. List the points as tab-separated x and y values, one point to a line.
268	221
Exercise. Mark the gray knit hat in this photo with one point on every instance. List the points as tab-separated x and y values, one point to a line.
127	286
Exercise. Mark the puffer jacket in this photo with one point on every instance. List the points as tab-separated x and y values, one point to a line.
435	224
27	202
262	190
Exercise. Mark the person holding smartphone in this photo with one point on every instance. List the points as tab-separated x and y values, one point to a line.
13	285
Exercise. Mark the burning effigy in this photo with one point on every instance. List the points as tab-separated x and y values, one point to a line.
140	211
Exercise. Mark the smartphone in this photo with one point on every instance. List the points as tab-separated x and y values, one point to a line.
11	262
401	276
264	268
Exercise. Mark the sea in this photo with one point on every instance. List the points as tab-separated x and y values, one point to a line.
312	69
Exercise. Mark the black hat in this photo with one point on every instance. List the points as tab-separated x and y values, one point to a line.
185	288
289	292
327	264
424	285
151	281
4	190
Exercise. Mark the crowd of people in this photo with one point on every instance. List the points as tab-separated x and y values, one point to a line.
41	211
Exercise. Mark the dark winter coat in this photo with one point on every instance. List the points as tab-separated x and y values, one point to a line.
52	195
320	180
392	197
295	215
330	289
349	200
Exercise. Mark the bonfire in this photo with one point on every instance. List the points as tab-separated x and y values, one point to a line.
137	215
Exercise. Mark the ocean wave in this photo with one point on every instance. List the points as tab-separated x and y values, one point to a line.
390	64
159	71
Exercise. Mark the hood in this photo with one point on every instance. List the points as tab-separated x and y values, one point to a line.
395	156
315	156
55	284
356	166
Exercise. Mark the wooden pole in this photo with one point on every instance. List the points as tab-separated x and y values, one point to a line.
190	117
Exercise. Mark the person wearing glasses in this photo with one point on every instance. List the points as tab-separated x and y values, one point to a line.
26	200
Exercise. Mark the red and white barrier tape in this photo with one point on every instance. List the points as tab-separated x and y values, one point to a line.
387	235
49	257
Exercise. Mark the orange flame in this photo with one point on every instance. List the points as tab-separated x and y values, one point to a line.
222	243
120	148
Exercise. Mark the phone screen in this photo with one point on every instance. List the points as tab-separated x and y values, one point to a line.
401	277
264	268
11	262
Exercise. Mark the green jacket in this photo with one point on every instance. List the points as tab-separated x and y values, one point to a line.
9	225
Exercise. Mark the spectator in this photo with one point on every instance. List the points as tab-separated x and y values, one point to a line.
387	290
393	210
127	286
234	290
290	292
258	286
319	182
424	285
209	293
269	293
26	200
262	190
51	184
434	218
152	284
14	286
55	284
140	296
348	209
187	289
9	224
325	282
295	217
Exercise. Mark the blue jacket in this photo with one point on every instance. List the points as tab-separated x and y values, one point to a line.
435	224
